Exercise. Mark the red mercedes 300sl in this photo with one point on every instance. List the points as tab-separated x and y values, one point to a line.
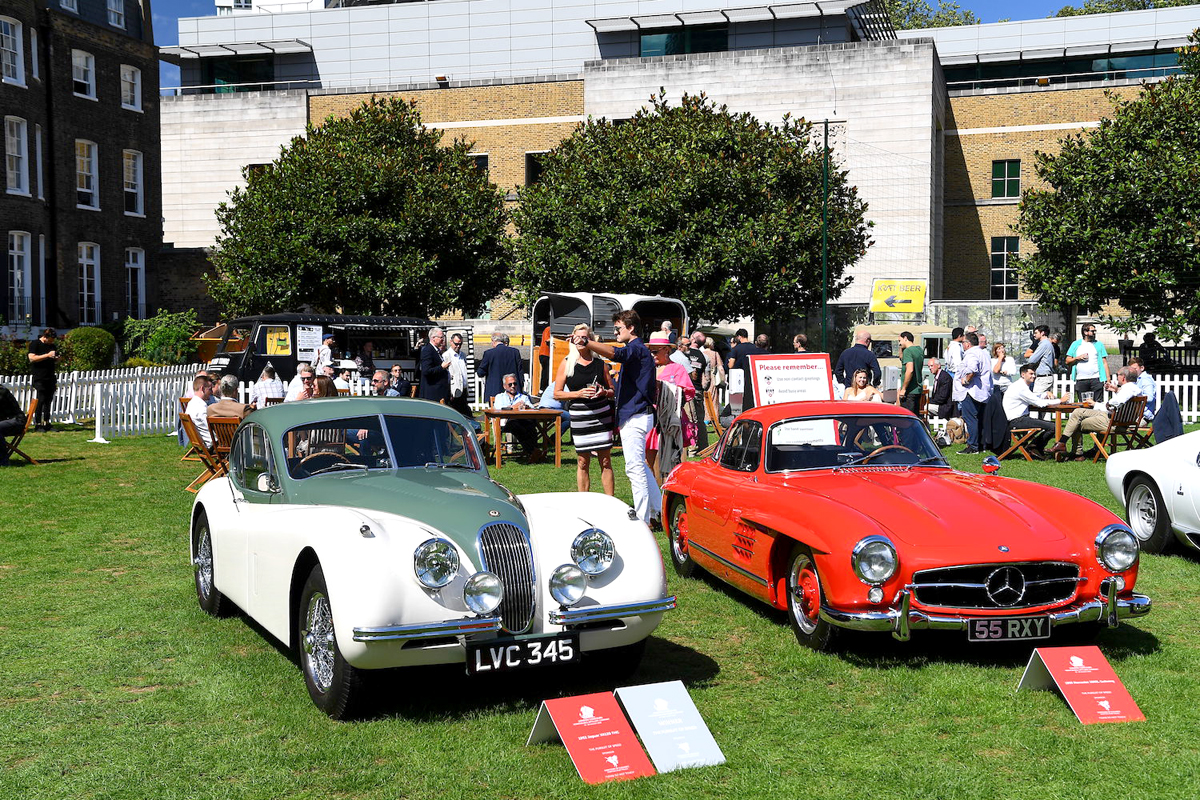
846	515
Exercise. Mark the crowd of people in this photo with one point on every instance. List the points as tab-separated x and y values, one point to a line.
985	391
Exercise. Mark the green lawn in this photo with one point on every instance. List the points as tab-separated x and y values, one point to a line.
117	685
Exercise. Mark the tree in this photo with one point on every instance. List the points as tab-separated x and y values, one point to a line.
1119	221
694	202
1109	6
365	214
910	14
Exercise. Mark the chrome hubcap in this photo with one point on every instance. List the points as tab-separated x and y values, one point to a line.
804	594
1143	512
318	642
204	564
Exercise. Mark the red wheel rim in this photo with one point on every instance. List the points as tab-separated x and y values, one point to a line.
810	593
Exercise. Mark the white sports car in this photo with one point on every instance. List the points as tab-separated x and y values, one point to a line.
1160	487
365	533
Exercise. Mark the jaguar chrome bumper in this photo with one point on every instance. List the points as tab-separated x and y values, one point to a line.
428	630
1108	609
579	616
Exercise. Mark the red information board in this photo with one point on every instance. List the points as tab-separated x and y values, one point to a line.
1085	679
597	735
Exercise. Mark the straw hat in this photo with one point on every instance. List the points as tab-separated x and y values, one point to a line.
659	339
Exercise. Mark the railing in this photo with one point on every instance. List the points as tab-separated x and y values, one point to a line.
1021	81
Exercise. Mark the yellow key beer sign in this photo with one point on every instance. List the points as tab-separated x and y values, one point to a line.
904	296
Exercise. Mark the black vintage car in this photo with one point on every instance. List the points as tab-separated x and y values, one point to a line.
284	340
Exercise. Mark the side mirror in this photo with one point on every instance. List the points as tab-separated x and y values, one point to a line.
991	465
267	483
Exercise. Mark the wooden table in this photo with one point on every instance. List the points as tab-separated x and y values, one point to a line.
546	422
1060	410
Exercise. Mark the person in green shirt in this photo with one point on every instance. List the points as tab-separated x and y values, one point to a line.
912	362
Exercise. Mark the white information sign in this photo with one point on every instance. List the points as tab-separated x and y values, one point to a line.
795	376
308	339
669	725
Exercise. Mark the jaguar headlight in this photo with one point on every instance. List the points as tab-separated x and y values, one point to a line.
483	593
593	551
567	584
1116	548
874	559
435	563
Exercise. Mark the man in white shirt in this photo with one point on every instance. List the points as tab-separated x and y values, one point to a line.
975	380
297	385
954	351
342	381
1086	360
197	407
458	376
308	384
1019	399
324	356
267	386
1095	419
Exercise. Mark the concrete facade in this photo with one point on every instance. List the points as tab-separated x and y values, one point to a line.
889	110
206	141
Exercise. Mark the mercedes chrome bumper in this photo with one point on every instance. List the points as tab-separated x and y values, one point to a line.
1108	609
579	616
429	630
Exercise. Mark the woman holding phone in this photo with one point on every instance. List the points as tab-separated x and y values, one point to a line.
583	385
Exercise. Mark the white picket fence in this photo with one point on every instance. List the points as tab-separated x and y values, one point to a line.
145	400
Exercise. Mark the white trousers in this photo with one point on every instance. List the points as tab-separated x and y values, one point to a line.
647	499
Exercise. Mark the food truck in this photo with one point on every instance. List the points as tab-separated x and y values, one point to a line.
284	340
556	314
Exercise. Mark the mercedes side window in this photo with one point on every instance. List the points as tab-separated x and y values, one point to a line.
743	445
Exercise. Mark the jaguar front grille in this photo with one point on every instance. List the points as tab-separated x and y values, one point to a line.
991	586
506	553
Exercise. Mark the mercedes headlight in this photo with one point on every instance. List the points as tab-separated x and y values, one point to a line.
567	584
483	593
1116	548
435	563
593	551
874	559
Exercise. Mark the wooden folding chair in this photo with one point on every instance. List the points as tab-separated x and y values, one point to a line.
213	467
270	401
190	454
710	407
1122	426
1019	440
12	446
222	429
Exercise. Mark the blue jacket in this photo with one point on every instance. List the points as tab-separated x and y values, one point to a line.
495	364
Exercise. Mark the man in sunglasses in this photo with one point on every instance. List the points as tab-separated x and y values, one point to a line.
381	386
306	376
1086	360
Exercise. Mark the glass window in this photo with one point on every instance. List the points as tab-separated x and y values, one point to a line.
843	441
742	447
239	74
480	160
134	186
533	168
685	40
1006	178
135	282
1004	276
131	88
275	340
116	13
16	156
250	459
68	5
12	57
37	143
19	277
87	193
33	53
83	74
89	283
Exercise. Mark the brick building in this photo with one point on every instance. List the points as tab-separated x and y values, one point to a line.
81	207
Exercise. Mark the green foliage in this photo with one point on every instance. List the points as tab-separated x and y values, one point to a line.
1108	6
694	202
366	214
14	357
164	338
86	349
910	14
1120	219
133	363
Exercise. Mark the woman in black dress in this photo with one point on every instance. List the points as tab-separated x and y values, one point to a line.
583	385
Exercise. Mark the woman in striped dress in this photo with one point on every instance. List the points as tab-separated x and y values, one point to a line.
583	385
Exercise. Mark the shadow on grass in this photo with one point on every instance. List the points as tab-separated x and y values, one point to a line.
446	693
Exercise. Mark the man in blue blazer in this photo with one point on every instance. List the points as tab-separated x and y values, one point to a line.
498	361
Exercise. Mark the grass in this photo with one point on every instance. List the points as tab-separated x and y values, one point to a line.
116	685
